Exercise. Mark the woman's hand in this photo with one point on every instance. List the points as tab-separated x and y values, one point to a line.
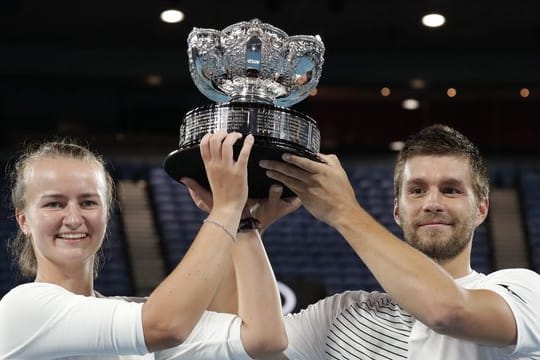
227	177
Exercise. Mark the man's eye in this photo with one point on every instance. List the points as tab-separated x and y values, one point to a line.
451	191
54	205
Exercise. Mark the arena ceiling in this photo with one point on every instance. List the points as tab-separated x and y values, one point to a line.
83	67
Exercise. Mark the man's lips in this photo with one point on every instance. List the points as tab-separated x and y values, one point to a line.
433	222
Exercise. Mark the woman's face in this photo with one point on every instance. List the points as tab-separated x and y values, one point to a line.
66	211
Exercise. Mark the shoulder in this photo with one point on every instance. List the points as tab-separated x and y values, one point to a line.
361	297
519	287
519	272
517	276
30	292
332	306
33	300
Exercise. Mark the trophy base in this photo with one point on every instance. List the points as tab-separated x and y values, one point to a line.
276	130
187	162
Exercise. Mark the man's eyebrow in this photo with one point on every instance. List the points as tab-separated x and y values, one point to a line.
415	181
452	181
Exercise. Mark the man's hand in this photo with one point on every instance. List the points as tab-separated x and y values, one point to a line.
267	210
272	208
323	188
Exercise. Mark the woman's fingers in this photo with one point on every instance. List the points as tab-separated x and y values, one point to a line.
204	147
243	157
227	145
216	144
219	146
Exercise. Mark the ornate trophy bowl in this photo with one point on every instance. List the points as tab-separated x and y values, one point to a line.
254	71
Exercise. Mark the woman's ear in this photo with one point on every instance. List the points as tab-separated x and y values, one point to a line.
21	220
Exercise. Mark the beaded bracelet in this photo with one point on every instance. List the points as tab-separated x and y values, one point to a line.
227	231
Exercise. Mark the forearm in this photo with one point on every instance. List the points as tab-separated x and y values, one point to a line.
177	304
416	282
226	298
259	303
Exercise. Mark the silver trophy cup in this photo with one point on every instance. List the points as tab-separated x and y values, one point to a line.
254	72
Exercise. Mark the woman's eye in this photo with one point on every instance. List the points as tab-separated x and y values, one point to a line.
88	203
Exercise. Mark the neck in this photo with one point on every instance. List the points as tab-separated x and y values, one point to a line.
460	265
78	281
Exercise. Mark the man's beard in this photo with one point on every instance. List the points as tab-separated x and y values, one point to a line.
436	243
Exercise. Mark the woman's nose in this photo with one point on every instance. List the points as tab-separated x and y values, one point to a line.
73	217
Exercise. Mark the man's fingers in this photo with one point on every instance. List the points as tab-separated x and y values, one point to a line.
302	162
291	171
291	182
274	193
199	194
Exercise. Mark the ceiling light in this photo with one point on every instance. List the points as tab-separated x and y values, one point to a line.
396	145
154	80
410	104
417	83
433	20
524	92
172	16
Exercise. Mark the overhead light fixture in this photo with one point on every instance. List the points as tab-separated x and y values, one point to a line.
417	83
396	145
433	20
172	16
410	104
153	80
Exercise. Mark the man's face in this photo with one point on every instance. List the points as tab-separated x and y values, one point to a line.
437	208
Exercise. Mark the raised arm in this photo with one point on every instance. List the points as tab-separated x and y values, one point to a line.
176	305
416	282
250	289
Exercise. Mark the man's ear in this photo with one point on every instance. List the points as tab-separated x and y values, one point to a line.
21	220
482	211
396	212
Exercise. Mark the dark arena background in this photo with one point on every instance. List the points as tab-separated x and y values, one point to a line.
114	75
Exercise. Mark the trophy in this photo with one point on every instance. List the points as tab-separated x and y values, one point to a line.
254	72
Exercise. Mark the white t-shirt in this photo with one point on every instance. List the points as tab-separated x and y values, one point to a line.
361	325
46	321
350	325
520	288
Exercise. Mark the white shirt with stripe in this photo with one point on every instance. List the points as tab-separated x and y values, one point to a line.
371	326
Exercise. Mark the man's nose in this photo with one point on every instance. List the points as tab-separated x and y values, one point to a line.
434	202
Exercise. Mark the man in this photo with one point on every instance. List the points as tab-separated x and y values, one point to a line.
435	305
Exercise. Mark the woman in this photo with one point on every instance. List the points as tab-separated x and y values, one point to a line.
62	196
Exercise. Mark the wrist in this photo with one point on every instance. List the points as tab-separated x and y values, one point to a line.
249	223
